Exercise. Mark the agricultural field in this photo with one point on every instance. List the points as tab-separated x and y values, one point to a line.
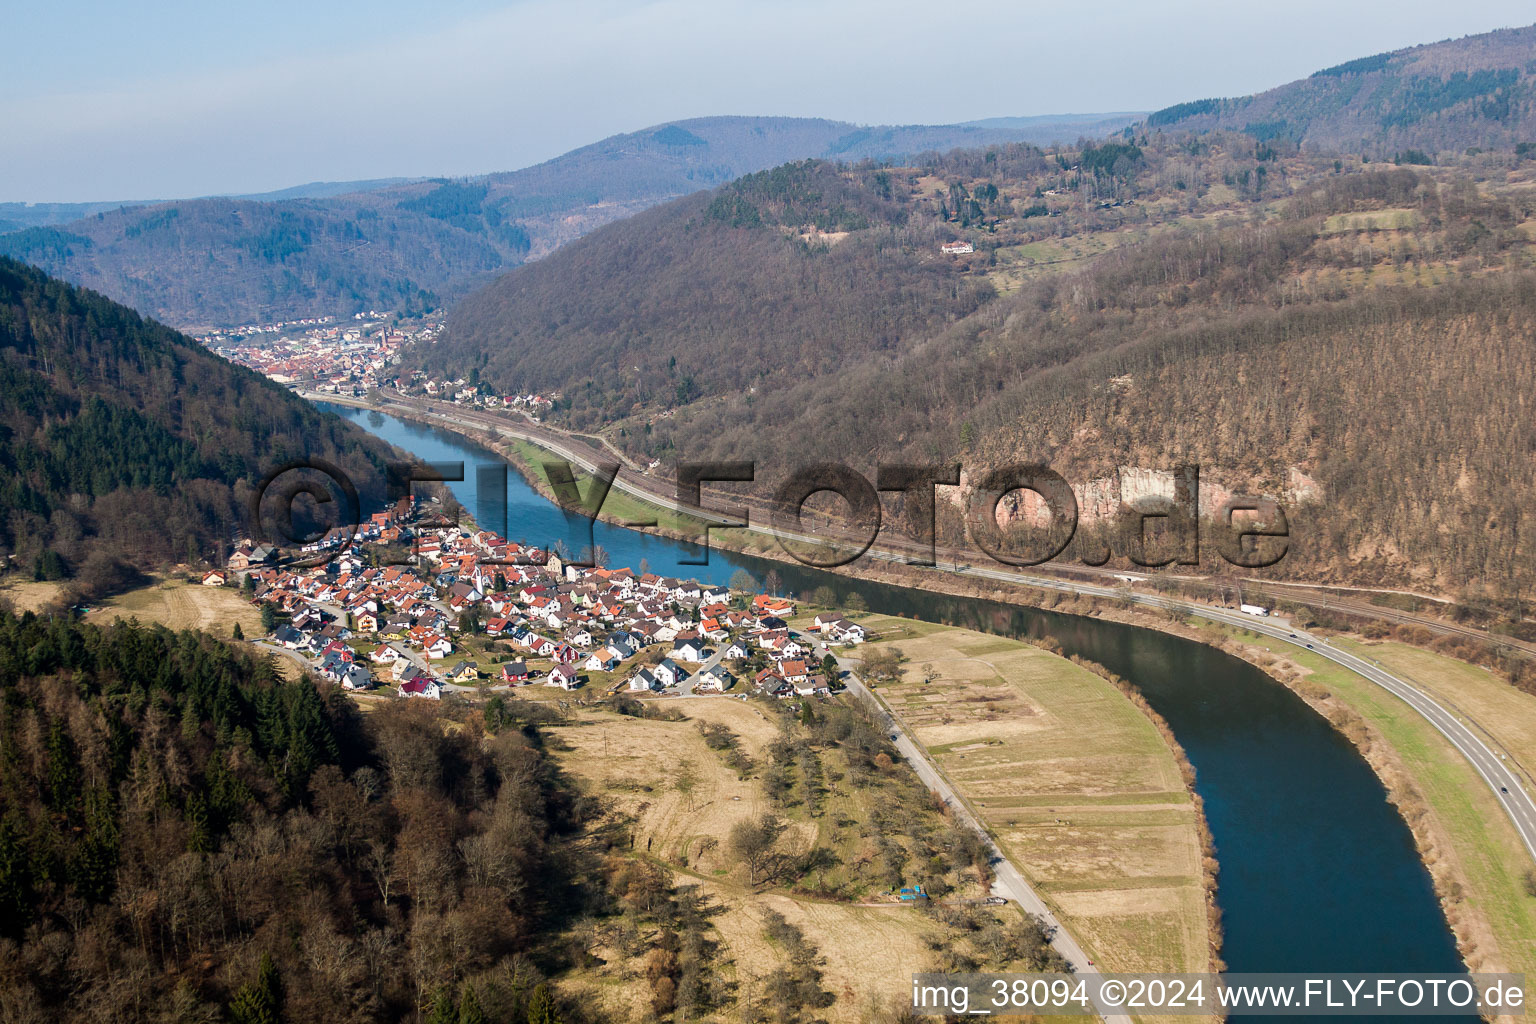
1074	781
1397	219
177	604
680	799
26	596
1017	264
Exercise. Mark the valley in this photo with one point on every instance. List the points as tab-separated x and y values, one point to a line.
414	246
794	566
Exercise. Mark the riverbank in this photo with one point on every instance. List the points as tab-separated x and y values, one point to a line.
1327	877
1077	781
1476	859
1472	853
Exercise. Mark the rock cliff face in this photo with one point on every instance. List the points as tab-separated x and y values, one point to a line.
1101	498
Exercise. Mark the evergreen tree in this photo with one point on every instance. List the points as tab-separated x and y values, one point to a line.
16	893
469	1006
541	1006
443	1011
259	1001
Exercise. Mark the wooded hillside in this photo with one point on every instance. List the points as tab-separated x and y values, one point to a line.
186	837
1440	98
1304	326
414	245
713	295
122	440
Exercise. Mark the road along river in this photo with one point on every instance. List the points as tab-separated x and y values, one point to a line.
1318	870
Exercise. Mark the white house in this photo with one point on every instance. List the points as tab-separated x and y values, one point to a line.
601	661
384	655
851	633
689	650
669	673
716	680
422	686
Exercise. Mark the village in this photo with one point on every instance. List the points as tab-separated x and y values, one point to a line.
466	610
322	354
354	360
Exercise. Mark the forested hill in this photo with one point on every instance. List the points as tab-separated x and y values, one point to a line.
671	160
405	246
786	273
1339	334
1446	97
186	837
122	439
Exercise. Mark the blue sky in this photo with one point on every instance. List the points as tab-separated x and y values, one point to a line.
114	101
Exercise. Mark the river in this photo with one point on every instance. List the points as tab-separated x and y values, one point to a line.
1318	870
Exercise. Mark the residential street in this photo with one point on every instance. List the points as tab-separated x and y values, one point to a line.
1493	766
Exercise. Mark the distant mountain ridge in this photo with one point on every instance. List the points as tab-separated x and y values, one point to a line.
332	249
1474	92
16	216
1350	337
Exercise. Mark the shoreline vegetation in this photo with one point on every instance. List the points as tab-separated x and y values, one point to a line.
1118	845
1457	827
1404	791
1210	866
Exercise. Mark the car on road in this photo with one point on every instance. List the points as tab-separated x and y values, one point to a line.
1293	636
1504	789
894	737
1309	647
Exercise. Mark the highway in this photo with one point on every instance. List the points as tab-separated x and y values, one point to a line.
1491	765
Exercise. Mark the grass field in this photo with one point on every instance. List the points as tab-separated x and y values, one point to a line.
633	763
871	952
1075	782
27	596
1485	855
1506	714
1371	220
177	604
